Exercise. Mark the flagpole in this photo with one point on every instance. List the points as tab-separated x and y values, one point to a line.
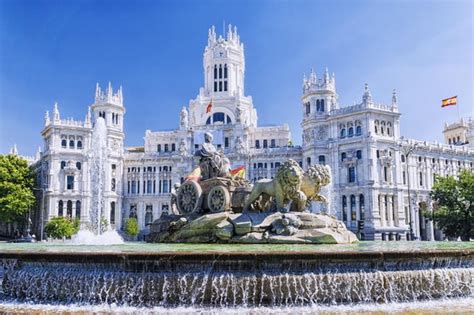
459	115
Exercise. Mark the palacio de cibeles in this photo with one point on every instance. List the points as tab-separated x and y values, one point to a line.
340	206
380	179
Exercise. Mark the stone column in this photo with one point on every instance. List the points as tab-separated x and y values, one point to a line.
382	209
390	210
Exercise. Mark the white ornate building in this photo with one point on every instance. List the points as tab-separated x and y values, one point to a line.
375	171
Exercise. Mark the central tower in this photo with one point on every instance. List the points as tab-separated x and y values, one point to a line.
222	100
224	64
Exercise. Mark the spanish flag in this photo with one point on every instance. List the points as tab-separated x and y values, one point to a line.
195	175
209	107
238	172
449	101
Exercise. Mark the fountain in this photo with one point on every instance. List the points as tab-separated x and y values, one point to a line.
233	247
95	232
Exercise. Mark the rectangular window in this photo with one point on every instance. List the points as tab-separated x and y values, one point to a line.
385	173
226	142
322	159
70	182
173	147
215	86
128	187
257	144
220	86
308	108
265	143
166	147
359	154
272	143
352	175
225	85
158	148
148	186
404	175
134	187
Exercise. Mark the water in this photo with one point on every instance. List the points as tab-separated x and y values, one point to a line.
86	237
97	174
245	277
95	232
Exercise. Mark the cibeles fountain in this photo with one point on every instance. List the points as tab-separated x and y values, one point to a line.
96	230
229	246
221	207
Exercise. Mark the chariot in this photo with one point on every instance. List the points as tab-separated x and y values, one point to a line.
213	195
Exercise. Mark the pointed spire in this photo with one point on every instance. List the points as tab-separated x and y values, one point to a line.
14	150
87	122
326	75
56	116
394	98
97	90
46	118
38	153
313	77
229	33
367	97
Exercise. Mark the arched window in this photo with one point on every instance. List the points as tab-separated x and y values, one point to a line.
215	72
149	215
69	209
308	161
63	164
112	184
220	71
225	71
79	144
318	104
64	143
71	144
321	107
112	212
60	208
358	130
78	209
308	108
361	207
322	159
343	132
344	208
343	156
350	132
78	165
403	158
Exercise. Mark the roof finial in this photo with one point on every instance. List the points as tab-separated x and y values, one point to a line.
56	116
46	118
367	97
14	150
394	98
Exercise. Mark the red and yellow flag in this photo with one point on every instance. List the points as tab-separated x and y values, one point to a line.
209	107
449	101
195	175
238	172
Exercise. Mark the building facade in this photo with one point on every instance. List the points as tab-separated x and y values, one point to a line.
381	181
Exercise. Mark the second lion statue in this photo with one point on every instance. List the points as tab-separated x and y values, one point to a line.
290	184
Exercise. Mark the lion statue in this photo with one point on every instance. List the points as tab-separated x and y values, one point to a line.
314	178
285	187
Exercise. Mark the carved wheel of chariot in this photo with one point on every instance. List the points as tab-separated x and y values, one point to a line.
218	199
188	199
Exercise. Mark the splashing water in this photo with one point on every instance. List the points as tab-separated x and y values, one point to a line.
86	237
97	233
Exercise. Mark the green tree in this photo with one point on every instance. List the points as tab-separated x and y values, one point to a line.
454	205
16	188
131	227
59	227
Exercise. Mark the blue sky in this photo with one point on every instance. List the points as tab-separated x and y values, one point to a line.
57	51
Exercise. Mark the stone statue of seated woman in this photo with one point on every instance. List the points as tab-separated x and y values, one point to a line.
212	163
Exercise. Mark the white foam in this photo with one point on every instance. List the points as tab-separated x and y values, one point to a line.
85	237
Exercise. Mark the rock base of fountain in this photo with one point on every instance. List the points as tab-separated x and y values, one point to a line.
252	228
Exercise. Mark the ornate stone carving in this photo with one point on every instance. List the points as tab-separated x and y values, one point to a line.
322	133
183	150
211	162
240	146
184	120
